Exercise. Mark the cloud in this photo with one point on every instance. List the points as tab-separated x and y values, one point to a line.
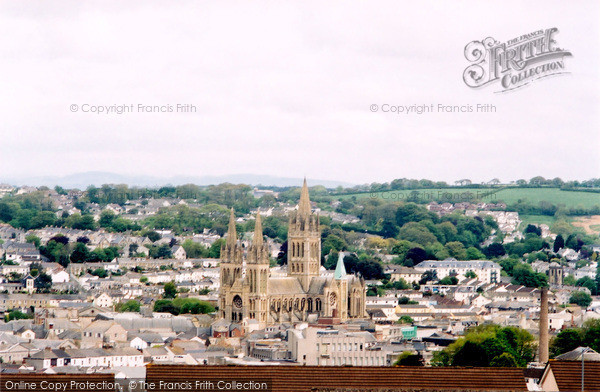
284	89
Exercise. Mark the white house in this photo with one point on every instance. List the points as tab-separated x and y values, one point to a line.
178	252
103	301
59	275
486	270
158	354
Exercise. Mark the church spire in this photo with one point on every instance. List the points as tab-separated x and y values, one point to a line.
231	232
340	269
258	232
304	204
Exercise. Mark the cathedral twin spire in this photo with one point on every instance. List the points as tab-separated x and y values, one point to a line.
258	250
231	231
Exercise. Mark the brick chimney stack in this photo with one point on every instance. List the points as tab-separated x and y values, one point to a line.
543	355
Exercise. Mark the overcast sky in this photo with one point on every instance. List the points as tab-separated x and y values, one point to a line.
285	89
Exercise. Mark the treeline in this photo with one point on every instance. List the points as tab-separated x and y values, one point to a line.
411	233
408	184
182	218
230	195
489	346
29	211
524	207
59	250
183	306
572	338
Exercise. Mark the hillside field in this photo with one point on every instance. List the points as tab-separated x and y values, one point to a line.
507	195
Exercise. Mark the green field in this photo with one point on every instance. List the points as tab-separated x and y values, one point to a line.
507	195
537	219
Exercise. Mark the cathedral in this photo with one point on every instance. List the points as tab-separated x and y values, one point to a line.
248	292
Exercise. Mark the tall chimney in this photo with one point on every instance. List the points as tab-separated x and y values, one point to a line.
543	355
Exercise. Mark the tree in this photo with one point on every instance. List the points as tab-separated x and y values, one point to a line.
456	250
524	275
588	282
165	306
417	232
485	346
428	276
415	255
471	354
170	290
574	242
494	250
580	298
565	341
569	280
80	253
504	360
533	229
389	229
283	254
571	338
409	359
106	218
60	239
474	254
183	306
215	249
399	284
43	282
192	306
367	268
194	250
449	281
411	212
130	306
160	252
153	236
16	315
33	239
559	243
406	320
100	272
470	275
333	242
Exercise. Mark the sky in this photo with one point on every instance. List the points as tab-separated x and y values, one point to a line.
286	89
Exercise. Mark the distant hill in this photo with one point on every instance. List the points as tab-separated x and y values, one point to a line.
83	180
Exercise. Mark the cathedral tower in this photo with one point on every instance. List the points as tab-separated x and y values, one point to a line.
304	241
231	265
257	274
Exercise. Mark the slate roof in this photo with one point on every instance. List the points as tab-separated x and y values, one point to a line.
568	375
356	378
575	355
93	379
452	263
286	285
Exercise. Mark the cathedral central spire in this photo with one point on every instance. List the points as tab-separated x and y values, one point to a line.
258	232
304	204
